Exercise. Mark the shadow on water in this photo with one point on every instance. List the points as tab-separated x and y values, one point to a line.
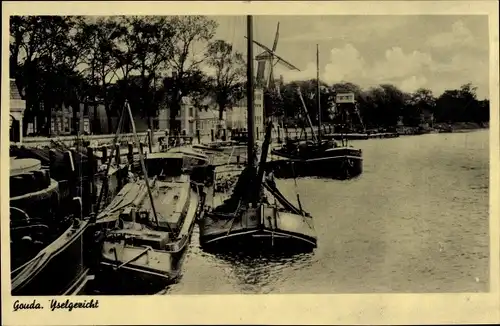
263	272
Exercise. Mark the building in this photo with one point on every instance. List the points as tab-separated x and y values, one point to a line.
237	116
17	107
61	121
190	118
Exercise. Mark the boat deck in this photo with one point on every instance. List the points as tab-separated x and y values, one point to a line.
171	200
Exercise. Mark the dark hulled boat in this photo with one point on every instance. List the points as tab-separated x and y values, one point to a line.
317	157
309	158
51	254
248	219
60	267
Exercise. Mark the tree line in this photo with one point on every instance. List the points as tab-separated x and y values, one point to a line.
381	106
151	61
155	61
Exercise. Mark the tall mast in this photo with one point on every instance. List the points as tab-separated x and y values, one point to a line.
250	91
318	93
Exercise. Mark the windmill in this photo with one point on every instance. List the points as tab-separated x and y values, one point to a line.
270	59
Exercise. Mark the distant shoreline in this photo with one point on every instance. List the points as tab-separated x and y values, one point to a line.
408	130
445	128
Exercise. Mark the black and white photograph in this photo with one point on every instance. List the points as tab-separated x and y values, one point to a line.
168	154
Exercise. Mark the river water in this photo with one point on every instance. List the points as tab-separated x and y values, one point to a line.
416	220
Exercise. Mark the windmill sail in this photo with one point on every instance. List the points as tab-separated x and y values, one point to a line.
269	59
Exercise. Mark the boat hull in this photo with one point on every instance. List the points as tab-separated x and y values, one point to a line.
135	279
59	269
258	241
258	230
342	164
152	271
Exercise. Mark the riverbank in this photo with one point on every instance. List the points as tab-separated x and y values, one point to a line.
278	133
461	126
443	128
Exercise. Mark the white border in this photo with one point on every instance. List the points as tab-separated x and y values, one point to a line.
268	309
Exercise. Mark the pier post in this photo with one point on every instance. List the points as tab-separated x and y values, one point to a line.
130	155
104	151
150	140
77	208
305	135
77	168
141	147
71	175
237	159
52	161
224	134
212	134
73	152
92	161
117	154
279	135
92	169
198	136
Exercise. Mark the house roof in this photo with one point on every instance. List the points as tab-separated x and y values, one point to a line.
14	91
17	104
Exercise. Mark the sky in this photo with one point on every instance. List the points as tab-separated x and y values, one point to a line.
431	51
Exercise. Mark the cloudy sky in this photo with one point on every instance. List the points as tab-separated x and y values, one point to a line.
435	52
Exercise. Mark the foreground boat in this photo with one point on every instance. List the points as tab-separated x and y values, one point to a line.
249	220
145	240
244	217
51	253
42	265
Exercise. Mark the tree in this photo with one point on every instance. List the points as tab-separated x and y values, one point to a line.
99	44
458	105
173	88
189	31
41	49
420	102
227	84
151	37
123	53
273	103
